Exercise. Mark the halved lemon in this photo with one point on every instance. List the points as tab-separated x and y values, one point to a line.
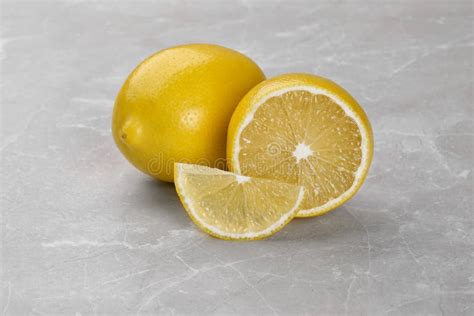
232	206
305	130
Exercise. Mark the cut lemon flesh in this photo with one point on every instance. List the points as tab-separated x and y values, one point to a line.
303	130
232	206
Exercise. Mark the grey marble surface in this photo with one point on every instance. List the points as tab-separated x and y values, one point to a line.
83	232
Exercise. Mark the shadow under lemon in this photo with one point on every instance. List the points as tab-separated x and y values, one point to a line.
160	197
341	224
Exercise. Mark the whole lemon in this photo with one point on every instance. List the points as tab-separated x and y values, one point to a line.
176	106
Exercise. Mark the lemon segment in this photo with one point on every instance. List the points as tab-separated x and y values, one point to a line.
232	206
305	130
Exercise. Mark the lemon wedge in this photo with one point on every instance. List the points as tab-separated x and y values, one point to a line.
231	206
304	130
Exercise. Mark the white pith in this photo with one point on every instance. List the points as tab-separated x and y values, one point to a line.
302	151
190	207
241	179
358	175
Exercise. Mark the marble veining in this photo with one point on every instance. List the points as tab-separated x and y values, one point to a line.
84	233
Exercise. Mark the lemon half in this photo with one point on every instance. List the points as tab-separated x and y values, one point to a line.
305	130
232	206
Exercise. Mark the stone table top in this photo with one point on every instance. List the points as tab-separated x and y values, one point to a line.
84	233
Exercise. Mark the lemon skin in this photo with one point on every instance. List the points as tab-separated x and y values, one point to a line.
177	104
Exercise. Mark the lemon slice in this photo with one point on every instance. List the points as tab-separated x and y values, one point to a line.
232	206
305	130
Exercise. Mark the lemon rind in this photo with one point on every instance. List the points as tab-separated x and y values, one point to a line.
215	232
361	172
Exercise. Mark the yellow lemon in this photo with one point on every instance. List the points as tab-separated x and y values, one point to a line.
176	106
305	130
231	206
